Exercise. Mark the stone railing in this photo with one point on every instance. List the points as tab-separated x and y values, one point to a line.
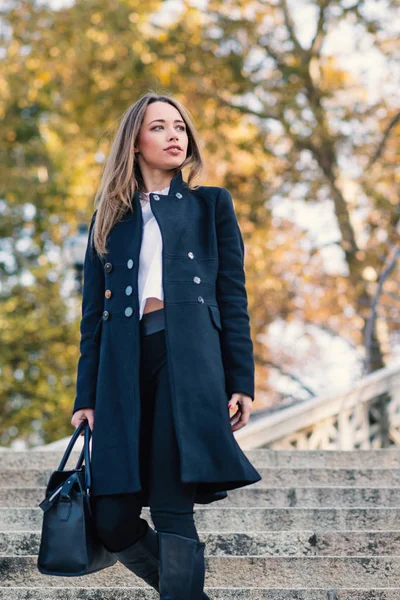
367	415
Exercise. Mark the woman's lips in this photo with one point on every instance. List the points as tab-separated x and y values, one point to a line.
173	150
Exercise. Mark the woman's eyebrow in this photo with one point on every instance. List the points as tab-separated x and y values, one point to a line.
163	121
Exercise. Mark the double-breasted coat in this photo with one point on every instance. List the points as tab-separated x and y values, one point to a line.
209	348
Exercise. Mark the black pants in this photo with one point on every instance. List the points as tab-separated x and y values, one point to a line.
171	503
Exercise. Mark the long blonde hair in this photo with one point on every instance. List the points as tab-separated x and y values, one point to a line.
121	175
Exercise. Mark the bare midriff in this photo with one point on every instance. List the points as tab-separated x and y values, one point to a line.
152	304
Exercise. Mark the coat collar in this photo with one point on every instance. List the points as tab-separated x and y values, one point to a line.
176	185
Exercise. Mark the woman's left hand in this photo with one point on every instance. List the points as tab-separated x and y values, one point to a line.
244	405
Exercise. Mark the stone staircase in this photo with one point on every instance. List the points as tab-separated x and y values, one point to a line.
321	525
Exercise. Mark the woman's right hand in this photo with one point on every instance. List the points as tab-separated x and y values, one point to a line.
84	414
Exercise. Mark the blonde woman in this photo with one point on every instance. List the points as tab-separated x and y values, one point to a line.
165	348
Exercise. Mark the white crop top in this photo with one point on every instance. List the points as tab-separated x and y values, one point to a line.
150	258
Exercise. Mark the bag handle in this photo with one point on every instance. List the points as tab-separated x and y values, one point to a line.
65	487
84	455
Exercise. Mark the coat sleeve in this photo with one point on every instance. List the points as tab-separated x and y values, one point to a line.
92	309
236	342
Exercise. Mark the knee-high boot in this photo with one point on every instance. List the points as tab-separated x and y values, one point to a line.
181	567
142	557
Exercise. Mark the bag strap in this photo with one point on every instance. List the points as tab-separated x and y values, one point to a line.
84	455
88	474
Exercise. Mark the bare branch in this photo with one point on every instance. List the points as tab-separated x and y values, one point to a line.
326	329
316	249
246	110
319	36
392	123
281	370
370	325
290	26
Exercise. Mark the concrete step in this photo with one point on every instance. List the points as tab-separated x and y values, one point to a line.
271	477
320	525
308	497
231	571
268	543
305	497
146	593
237	520
333	459
262	457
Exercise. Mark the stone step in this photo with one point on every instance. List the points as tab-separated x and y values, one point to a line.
334	459
271	477
314	497
305	497
285	476
147	593
269	543
261	457
231	571
236	520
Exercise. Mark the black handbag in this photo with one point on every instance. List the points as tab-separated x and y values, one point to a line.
69	544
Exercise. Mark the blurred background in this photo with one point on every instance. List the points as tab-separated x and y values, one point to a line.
297	107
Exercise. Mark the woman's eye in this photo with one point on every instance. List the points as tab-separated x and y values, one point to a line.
181	126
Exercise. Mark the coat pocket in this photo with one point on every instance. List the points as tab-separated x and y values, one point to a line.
215	316
97	331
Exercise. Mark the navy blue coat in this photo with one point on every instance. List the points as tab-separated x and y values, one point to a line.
209	348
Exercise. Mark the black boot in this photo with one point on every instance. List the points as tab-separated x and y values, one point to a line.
142	557
181	567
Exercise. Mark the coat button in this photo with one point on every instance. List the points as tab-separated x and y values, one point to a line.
128	290
128	311
190	255
156	197
178	195
196	279
107	293
200	299
129	264
107	267
106	315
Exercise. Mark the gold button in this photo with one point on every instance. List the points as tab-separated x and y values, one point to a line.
108	294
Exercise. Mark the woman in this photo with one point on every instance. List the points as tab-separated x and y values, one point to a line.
165	348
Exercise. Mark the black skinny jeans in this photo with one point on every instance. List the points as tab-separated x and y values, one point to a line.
117	516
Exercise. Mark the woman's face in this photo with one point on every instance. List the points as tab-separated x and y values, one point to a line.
162	127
